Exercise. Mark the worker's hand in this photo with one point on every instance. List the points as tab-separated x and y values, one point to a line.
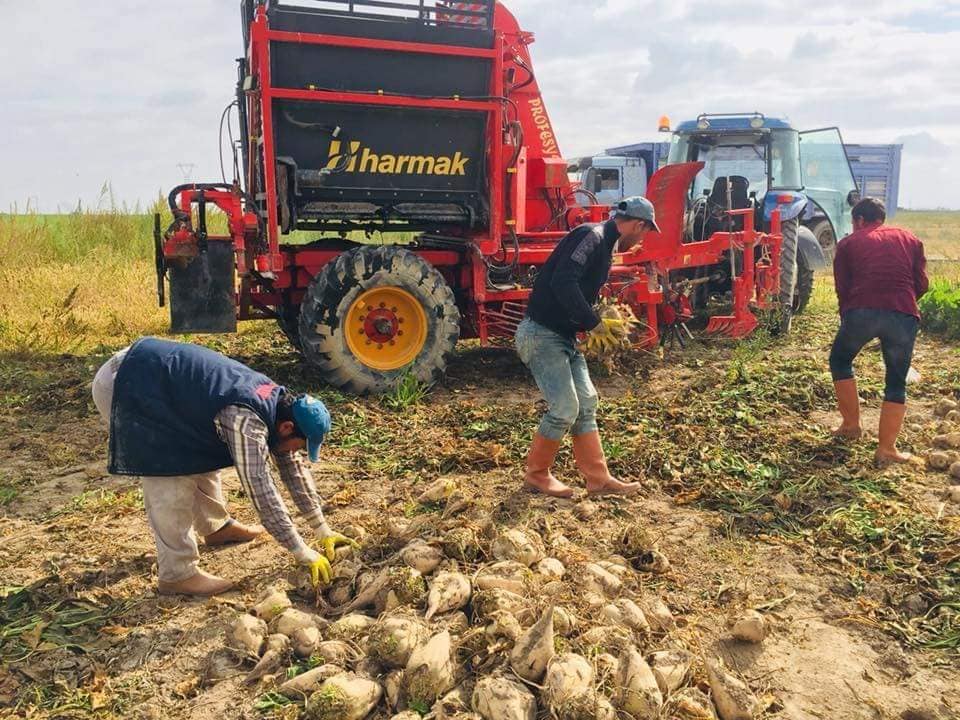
317	565
333	541
609	334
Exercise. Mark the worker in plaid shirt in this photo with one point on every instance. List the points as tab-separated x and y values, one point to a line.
178	413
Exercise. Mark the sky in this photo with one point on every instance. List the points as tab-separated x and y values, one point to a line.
129	94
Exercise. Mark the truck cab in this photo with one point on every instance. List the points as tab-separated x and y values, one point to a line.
609	178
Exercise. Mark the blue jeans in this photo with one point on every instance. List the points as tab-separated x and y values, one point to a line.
560	372
897	332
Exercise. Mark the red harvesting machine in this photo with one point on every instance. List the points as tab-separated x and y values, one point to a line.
420	121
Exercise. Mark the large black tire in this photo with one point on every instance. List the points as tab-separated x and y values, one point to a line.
823	231
334	291
288	319
804	285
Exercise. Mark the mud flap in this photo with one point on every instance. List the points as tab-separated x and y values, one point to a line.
202	291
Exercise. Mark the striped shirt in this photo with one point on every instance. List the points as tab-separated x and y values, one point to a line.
247	438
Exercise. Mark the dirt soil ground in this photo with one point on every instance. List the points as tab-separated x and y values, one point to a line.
856	569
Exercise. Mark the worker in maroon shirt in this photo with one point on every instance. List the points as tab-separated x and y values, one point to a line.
880	273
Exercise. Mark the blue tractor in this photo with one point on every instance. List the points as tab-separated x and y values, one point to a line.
752	160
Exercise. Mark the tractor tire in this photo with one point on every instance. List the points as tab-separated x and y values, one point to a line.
288	320
374	315
789	254
823	231
804	285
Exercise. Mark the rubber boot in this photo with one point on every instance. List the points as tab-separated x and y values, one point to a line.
891	420
202	585
849	404
588	453
540	459
232	532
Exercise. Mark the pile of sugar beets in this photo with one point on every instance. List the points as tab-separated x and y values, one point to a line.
487	622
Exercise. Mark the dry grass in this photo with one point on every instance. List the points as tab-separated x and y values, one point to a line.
939	230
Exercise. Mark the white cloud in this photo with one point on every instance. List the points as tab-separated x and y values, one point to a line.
124	92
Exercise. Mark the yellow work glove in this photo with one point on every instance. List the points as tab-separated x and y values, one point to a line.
331	542
317	565
609	334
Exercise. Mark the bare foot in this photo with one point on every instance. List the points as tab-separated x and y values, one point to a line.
848	433
886	457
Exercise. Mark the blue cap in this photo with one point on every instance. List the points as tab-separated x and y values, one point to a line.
313	421
637	208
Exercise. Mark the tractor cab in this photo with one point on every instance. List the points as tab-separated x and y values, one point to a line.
752	160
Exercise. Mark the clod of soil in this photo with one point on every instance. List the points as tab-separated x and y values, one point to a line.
955	470
751	627
437	491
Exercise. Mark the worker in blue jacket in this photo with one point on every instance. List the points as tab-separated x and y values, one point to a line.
179	413
561	306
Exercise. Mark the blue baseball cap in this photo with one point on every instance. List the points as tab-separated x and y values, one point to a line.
313	421
637	208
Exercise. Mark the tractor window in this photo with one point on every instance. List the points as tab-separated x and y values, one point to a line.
785	160
750	161
679	149
608	180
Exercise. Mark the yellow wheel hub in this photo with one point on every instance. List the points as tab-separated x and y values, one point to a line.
386	328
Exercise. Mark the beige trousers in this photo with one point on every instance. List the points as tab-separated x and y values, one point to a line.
178	508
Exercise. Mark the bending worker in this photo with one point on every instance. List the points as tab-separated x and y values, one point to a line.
880	272
178	413
560	306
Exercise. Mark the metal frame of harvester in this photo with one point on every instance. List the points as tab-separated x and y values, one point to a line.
310	99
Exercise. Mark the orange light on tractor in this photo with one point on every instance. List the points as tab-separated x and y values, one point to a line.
785	199
664	123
